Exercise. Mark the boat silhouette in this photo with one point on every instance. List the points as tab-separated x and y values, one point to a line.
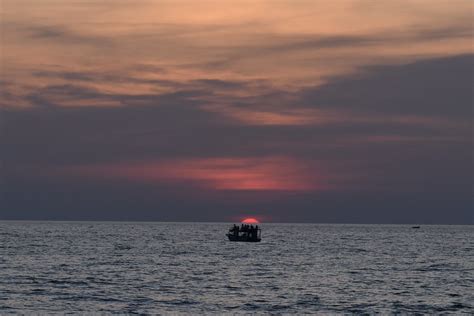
248	233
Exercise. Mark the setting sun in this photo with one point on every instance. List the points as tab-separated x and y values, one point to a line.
250	220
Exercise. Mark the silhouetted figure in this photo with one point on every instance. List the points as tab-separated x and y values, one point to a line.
235	230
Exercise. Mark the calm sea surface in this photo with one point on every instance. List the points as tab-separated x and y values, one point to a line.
76	267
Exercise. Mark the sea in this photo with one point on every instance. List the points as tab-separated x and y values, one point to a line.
191	268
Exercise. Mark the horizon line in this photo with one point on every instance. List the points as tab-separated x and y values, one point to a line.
224	222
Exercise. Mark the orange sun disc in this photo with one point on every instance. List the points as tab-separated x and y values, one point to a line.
250	220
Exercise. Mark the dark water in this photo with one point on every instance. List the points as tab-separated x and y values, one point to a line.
190	268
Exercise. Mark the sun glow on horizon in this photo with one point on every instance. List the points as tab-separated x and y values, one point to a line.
272	173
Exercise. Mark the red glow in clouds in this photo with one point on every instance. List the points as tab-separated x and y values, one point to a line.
250	220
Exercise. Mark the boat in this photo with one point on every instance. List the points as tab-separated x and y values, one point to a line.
248	233
415	227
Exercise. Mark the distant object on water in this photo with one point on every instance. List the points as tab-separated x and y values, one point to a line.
245	232
415	227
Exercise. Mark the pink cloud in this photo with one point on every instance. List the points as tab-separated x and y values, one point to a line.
271	173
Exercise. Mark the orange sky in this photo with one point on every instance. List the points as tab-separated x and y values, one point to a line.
267	44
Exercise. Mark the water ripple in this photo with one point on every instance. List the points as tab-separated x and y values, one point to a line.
154	268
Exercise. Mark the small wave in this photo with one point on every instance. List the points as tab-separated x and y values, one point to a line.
261	301
358	250
279	307
437	267
251	306
309	300
180	302
424	308
69	282
360	308
122	247
454	307
9	235
454	295
79	298
37	291
5	307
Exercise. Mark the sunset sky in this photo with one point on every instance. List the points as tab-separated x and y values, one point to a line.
284	110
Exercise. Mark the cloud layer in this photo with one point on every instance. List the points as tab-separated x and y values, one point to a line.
276	110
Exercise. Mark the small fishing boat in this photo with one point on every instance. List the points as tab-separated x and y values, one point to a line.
415	227
248	233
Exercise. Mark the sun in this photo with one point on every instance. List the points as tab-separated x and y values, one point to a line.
250	220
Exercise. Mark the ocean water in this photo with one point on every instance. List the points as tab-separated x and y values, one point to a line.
75	267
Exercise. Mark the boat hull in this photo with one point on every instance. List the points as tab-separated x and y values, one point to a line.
243	238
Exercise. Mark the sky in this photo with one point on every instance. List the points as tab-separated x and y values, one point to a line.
283	110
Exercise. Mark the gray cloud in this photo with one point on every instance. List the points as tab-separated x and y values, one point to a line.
63	35
267	44
74	77
66	75
437	87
